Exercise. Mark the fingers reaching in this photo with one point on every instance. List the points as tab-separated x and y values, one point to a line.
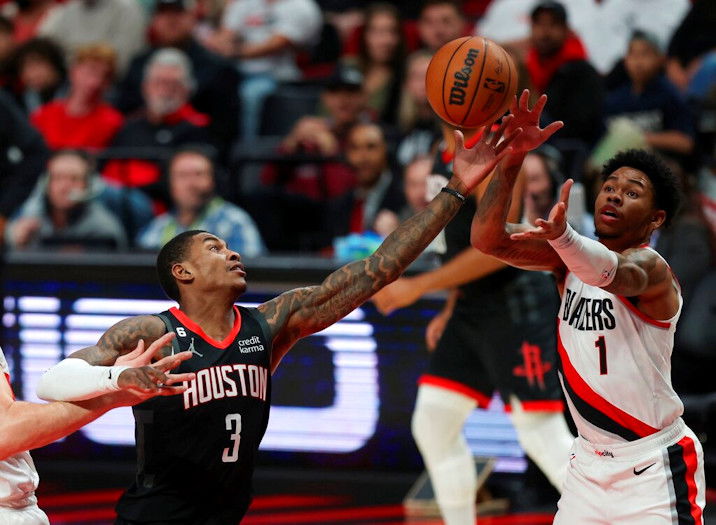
552	129
524	100
459	140
539	105
172	361
161	342
564	192
497	135
504	145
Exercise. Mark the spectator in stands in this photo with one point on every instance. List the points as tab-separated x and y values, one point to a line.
7	42
381	59
22	159
440	22
83	119
415	186
344	101
694	38
377	187
264	35
66	212
168	121
119	23
27	17
216	78
416	121
557	65
649	100
35	73
195	206
415	191
289	207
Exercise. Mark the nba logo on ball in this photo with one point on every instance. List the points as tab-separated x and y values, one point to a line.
470	82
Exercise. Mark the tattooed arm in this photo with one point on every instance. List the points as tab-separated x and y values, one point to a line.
122	338
119	361
304	311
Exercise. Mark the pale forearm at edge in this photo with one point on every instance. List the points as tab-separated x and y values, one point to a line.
26	426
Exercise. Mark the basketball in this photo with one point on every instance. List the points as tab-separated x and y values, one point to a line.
470	81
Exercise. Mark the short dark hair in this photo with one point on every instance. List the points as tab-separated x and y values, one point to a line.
175	251
556	9
453	3
81	154
203	150
667	189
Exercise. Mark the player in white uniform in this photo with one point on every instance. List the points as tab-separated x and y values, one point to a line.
634	462
24	426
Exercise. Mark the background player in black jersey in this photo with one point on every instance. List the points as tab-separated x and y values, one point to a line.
196	453
496	332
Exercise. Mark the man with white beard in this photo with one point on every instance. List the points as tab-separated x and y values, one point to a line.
167	120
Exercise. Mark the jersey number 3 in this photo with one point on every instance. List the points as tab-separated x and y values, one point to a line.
601	345
233	425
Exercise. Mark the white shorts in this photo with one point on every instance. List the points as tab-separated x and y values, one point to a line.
30	515
656	480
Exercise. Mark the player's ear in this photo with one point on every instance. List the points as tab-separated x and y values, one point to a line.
658	218
182	273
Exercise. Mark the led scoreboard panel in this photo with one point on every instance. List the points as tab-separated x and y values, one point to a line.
342	397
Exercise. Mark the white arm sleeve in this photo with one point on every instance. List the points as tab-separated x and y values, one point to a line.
591	261
75	379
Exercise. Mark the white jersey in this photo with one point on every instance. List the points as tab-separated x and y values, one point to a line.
18	477
615	365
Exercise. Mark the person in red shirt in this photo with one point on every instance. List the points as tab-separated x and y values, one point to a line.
83	119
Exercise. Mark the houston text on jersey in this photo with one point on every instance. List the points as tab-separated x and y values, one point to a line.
217	382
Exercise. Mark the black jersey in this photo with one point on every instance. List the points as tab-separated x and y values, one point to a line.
196	451
487	292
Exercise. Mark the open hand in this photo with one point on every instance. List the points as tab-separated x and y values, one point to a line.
153	379
472	165
555	224
527	119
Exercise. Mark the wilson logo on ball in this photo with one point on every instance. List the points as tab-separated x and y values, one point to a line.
470	82
462	78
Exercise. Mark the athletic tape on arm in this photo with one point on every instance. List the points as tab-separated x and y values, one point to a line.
75	380
590	260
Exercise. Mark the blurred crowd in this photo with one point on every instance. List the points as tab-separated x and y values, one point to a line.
284	125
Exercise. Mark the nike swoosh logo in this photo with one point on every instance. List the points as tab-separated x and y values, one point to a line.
637	472
110	373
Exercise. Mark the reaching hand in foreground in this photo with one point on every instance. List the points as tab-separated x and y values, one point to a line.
555	224
147	379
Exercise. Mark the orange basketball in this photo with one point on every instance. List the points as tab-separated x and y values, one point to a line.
471	81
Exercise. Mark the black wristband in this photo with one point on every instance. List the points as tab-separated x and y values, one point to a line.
454	193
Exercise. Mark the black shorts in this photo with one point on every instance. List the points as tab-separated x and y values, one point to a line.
509	346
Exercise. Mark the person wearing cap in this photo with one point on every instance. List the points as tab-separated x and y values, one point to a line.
216	80
263	36
557	66
649	100
295	194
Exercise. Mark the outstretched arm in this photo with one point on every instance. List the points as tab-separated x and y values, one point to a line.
491	233
301	312
639	273
466	266
118	361
24	426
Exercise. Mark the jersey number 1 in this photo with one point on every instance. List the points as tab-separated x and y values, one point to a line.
233	424
601	344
